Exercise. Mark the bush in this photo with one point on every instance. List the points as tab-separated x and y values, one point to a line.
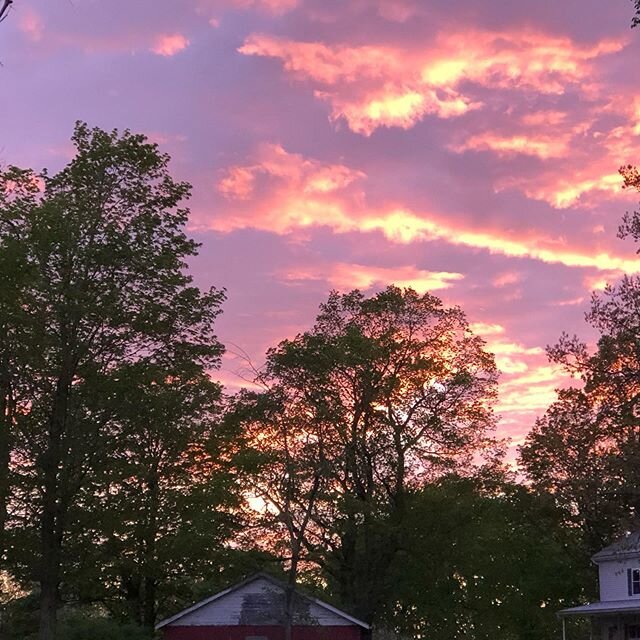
93	628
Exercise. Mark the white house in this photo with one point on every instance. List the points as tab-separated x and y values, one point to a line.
617	615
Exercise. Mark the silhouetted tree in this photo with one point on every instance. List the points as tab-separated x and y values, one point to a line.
387	392
107	290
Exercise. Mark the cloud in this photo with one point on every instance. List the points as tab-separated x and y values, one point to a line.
522	144
485	329
371	86
169	45
532	390
347	276
583	157
31	24
275	7
284	192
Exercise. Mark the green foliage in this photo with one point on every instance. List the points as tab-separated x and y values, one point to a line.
573	453
483	558
79	627
105	350
382	394
586	449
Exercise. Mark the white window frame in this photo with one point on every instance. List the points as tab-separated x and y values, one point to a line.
635	582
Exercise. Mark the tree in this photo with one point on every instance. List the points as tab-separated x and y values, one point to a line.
285	472
483	558
393	390
18	193
105	251
571	454
586	449
636	18
165	513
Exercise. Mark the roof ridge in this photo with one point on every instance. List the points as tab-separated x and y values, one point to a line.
251	578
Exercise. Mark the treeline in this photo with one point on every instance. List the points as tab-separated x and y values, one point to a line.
362	463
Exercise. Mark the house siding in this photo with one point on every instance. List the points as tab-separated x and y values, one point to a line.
258	603
613	579
236	632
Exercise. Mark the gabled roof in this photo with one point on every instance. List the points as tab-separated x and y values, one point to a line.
628	546
253	578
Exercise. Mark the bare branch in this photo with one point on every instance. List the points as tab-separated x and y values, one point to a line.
4	11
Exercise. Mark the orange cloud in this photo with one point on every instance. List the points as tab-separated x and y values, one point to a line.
484	329
345	276
531	391
374	85
284	192
273	6
541	146
589	177
406	226
169	45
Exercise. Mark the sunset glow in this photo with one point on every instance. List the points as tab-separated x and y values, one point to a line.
469	149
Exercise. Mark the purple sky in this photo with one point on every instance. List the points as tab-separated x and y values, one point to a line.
468	147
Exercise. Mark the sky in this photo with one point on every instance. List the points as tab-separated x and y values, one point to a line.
469	148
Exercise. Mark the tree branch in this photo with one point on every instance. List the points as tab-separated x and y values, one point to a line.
4	11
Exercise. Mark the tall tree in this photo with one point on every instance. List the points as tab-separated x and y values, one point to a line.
571	454
105	250
285	472
397	390
484	558
586	449
18	193
162	510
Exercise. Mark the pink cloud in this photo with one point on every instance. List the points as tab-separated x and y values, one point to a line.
169	45
347	276
285	193
371	86
275	7
31	24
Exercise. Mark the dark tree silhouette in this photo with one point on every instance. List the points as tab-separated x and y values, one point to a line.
636	18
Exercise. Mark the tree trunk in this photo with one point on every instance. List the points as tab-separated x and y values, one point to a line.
52	528
6	427
291	590
149	612
150	559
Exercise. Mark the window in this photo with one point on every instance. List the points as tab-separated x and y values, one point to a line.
633	582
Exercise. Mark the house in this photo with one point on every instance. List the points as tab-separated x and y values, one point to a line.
255	610
617	615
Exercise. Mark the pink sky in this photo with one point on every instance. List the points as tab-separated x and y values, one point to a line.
469	148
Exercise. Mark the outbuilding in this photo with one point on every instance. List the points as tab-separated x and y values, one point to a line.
255	610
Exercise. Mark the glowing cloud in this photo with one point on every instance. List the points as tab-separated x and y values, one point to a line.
345	276
543	146
373	85
31	24
284	192
169	45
